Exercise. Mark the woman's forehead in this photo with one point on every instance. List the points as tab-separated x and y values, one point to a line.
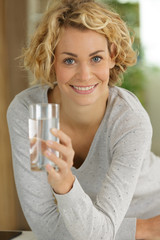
74	38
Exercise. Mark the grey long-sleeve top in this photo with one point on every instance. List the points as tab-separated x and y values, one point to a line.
110	185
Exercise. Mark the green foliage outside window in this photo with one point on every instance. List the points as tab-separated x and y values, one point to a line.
134	79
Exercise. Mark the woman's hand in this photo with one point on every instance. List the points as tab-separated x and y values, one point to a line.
62	180
148	229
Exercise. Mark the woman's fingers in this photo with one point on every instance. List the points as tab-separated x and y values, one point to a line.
67	153
64	139
62	165
61	180
64	147
51	172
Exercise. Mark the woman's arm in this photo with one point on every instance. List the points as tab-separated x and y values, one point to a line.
148	229
35	194
141	229
117	190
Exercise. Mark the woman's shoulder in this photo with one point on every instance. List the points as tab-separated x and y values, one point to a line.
35	94
20	104
125	107
121	102
123	97
126	115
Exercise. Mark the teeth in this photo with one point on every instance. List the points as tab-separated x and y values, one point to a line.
84	88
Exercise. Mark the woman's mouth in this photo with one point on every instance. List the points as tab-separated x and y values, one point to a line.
84	89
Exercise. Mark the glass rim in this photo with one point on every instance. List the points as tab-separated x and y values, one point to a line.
44	104
38	111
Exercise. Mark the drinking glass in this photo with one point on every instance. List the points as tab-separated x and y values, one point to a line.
42	118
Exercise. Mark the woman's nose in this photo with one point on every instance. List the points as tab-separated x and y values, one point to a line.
84	72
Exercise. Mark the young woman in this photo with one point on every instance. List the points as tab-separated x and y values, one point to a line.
108	183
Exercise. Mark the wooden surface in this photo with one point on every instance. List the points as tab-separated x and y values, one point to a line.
24	235
11	216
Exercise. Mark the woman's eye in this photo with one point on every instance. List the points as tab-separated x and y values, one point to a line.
96	59
69	61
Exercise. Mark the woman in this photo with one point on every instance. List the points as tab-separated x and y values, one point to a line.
107	175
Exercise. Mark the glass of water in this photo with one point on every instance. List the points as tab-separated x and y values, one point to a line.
42	118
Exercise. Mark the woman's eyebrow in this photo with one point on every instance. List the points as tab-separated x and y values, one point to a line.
74	55
71	54
98	51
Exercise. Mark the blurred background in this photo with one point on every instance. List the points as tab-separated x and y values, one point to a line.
18	20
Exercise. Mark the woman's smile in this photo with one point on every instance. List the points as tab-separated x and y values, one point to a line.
84	89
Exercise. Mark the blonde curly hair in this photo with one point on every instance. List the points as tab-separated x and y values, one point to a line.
82	15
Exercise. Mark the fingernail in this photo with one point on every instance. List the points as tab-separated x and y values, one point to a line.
54	130
48	153
48	167
49	142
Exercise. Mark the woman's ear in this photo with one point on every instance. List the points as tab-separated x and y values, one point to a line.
112	51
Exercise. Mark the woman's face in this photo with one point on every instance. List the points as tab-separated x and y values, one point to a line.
82	64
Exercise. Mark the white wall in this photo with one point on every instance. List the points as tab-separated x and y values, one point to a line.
149	30
150	38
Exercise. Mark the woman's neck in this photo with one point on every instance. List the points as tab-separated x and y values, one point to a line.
79	116
82	116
